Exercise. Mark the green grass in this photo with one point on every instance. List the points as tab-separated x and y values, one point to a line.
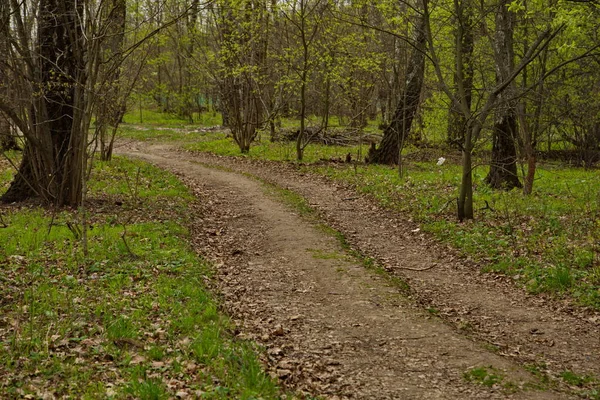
133	319
150	117
574	379
334	123
277	151
486	376
158	133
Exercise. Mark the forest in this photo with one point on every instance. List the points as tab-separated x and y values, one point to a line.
436	144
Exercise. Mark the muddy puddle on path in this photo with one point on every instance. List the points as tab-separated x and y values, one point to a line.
331	327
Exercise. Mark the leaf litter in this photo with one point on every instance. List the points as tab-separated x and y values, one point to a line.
330	326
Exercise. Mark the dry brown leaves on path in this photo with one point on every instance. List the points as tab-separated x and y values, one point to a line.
335	329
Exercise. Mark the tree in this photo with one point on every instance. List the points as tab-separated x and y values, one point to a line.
242	56
305	19
399	127
60	66
463	33
490	97
503	168
55	126
7	139
112	96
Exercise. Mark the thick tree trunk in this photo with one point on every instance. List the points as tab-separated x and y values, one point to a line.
52	166
503	167
398	130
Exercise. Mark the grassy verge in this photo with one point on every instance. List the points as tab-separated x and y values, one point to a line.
150	117
550	241
277	151
183	134
133	319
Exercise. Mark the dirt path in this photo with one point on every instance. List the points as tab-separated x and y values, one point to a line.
332	327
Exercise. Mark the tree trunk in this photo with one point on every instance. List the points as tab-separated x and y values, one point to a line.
7	139
503	167
398	130
457	122
465	198
111	103
52	165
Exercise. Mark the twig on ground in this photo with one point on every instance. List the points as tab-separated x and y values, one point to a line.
487	207
445	205
418	269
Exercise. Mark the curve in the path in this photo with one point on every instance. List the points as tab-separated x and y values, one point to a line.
548	335
332	327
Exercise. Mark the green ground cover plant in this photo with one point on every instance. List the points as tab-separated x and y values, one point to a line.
152	117
485	376
276	151
154	133
133	319
548	241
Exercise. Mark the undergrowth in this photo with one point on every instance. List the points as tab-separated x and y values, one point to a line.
278	151
133	319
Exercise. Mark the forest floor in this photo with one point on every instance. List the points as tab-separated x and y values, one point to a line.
352	301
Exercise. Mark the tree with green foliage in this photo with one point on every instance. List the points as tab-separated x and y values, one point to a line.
464	26
503	167
242	58
397	131
110	103
55	126
489	97
305	21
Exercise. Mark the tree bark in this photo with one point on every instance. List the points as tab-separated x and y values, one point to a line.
457	121
52	165
398	130
503	167
7	139
111	103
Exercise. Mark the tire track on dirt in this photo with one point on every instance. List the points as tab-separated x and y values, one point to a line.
528	328
331	327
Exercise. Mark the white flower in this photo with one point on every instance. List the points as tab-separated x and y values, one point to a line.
441	161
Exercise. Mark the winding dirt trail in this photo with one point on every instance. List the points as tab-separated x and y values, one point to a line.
333	328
